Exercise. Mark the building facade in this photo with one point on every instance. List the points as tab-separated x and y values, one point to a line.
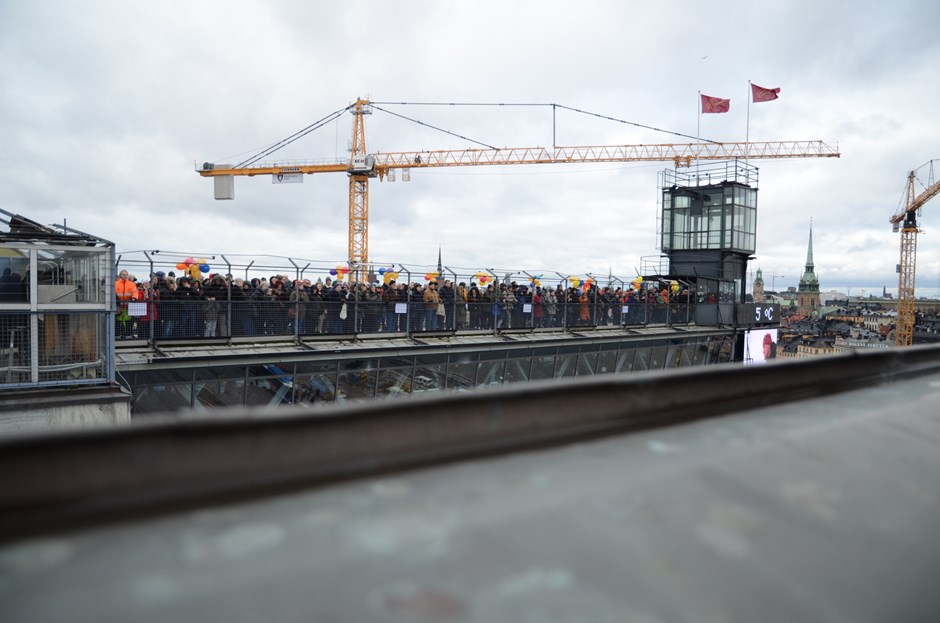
758	287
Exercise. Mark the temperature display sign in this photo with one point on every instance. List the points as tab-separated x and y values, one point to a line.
758	313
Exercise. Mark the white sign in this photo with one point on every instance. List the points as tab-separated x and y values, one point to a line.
287	178
527	308
136	309
401	308
360	163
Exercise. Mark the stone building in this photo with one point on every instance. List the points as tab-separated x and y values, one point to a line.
759	287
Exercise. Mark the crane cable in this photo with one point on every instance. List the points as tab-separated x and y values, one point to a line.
428	125
336	114
553	105
316	125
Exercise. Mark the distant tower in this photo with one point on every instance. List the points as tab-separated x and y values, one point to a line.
759	287
807	299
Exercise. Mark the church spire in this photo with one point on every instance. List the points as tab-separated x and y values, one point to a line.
808	297
809	251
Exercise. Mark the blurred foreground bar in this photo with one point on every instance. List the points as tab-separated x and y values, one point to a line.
797	491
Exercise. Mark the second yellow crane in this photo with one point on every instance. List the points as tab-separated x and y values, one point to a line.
905	220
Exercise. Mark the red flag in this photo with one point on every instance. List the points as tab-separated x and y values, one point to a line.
760	94
715	104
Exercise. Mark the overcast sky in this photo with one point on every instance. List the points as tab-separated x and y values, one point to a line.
105	107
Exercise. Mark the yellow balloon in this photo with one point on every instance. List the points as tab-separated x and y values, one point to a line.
575	282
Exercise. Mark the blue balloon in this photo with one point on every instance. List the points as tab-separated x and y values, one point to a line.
382	271
204	268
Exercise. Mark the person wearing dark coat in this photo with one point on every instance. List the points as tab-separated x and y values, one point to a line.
447	296
186	298
390	298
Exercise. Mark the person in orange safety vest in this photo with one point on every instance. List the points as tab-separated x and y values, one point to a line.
126	291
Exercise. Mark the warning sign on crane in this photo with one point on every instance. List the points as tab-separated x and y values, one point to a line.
287	178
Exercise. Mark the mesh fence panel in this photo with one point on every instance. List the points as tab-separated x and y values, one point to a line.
61	347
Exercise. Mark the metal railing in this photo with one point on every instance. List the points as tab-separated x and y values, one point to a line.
166	320
290	297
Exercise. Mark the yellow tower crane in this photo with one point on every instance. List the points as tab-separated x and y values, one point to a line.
361	165
905	220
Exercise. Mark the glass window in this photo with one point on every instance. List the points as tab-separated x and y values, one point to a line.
586	363
394	381
674	356
625	359
517	370
428	378
490	373
566	365
657	358
606	362
319	366
313	388
356	386
14	277
542	368
162	398
461	375
357	364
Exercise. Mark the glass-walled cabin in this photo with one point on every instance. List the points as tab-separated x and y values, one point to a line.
709	226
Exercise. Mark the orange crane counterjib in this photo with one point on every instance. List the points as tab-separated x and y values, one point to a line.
275	169
681	154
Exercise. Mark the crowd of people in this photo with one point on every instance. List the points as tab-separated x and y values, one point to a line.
167	306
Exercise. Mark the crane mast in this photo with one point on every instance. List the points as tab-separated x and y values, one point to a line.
359	170
361	165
